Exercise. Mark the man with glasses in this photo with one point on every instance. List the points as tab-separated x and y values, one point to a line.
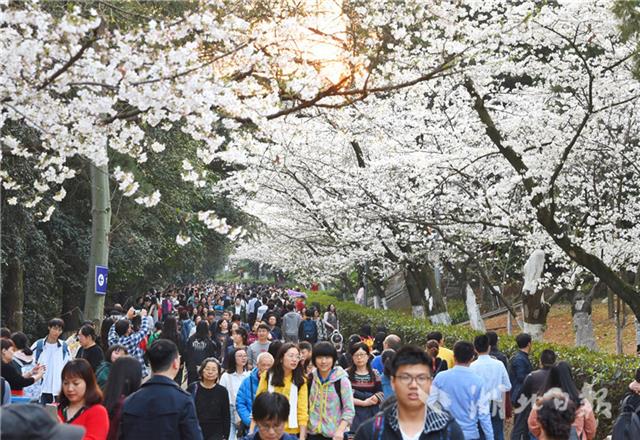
410	418
270	412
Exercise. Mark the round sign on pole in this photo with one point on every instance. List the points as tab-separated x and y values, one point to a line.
102	274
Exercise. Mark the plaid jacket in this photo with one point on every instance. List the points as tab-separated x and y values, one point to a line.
132	342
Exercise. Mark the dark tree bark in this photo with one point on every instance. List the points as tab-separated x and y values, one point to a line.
14	297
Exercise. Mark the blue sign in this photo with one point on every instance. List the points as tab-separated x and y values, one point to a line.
101	280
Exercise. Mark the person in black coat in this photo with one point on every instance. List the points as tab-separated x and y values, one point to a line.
198	348
11	371
160	409
519	369
212	401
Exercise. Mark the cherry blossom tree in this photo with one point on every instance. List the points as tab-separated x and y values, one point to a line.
384	131
530	139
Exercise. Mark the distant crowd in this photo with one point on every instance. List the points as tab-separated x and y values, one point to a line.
229	361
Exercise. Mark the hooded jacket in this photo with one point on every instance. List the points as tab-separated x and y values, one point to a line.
290	323
438	425
325	410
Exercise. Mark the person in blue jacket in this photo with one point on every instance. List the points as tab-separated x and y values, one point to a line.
270	412
249	386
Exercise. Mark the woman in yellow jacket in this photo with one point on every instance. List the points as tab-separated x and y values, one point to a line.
286	377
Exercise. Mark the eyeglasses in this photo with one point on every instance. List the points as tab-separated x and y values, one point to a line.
406	379
360	355
264	427
293	356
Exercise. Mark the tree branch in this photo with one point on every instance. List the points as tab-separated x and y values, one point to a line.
546	218
86	45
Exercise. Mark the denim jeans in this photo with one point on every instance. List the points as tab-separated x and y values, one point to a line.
498	428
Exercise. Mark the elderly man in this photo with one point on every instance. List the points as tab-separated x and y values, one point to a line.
392	342
249	386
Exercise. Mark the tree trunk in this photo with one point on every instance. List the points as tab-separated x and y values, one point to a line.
610	304
100	228
415	294
621	321
535	311
582	321
347	286
437	309
534	307
377	292
475	318
14	297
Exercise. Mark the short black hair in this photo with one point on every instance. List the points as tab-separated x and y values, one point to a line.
21	340
523	339
481	343
161	354
263	326
232	365
122	326
56	322
88	331
463	352
548	358
270	406
409	355
305	345
493	338
386	357
5	333
324	348
435	335
557	422
637	375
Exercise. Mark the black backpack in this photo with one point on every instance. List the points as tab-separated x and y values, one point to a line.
627	425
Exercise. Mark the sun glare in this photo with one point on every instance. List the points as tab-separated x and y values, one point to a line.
326	44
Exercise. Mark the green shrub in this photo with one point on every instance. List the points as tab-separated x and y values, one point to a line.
457	311
609	375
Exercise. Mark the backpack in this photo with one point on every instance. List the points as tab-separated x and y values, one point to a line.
337	385
289	324
309	331
627	425
40	348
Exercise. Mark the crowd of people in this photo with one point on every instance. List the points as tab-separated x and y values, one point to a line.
229	361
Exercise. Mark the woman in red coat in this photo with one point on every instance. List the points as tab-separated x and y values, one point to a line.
80	400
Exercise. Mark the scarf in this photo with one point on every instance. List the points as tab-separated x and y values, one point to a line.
293	403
